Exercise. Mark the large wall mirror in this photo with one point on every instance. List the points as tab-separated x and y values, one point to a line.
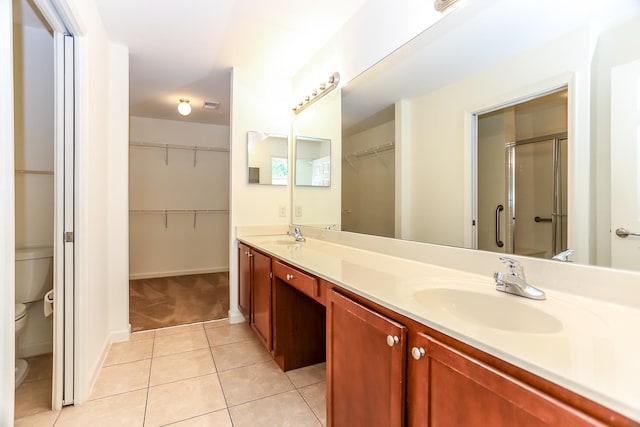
268	159
421	128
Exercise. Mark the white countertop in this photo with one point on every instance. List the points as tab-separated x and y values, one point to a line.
583	344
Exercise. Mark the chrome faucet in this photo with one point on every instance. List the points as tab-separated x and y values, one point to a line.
297	234
514	281
563	256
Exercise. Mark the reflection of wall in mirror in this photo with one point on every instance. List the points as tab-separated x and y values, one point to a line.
320	205
368	182
439	211
261	155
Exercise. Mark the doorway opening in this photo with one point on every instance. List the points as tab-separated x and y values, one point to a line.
522	169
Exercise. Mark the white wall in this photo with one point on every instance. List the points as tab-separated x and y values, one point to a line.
321	205
101	130
156	251
34	146
368	183
258	103
438	135
7	219
33	75
370	35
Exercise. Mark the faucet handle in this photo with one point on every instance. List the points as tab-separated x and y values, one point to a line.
515	267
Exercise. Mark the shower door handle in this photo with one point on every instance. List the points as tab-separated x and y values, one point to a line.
499	242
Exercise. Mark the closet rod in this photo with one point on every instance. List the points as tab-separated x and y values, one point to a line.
33	172
177	147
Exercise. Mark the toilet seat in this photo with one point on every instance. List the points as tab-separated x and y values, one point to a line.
21	311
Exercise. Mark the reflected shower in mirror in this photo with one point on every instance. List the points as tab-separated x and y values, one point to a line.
267	156
313	161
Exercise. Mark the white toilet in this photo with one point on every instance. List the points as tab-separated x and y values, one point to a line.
34	278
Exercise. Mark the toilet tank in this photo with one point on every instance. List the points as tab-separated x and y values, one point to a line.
34	273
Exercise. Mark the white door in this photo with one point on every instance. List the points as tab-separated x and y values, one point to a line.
63	351
625	169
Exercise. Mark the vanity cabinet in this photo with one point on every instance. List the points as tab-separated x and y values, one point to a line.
386	369
244	279
260	317
254	291
365	365
448	388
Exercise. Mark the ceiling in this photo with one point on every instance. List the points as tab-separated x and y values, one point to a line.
186	49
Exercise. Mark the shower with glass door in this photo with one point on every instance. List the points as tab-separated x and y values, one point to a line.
535	215
522	178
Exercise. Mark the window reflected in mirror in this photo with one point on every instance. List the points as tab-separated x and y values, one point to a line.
313	162
268	161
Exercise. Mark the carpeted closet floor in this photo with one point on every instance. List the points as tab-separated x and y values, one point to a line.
169	301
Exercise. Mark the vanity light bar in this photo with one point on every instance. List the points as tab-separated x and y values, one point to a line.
316	94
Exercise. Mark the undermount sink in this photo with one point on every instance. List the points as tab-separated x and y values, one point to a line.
503	312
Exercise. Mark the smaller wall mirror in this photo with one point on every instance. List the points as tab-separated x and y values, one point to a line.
268	159
313	161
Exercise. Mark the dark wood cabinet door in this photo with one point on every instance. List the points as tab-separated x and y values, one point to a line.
244	279
261	295
365	366
448	388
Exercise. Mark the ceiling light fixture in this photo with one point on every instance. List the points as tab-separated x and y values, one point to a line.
184	108
323	89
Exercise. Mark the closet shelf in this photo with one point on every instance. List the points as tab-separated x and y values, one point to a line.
166	213
177	147
369	152
33	172
167	147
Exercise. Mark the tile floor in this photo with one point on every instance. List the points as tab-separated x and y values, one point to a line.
204	374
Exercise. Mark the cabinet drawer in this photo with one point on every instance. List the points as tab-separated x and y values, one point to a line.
303	282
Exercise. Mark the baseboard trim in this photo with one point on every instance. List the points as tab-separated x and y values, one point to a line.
156	274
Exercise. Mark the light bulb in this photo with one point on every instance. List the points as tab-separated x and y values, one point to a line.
184	108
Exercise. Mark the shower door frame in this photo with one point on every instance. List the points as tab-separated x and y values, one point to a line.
558	211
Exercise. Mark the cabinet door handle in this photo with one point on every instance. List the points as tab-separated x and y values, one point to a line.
249	254
289	276
417	353
392	340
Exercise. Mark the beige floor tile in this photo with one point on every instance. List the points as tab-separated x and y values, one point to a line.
125	409
129	351
33	397
181	366
122	378
239	354
142	335
178	343
316	397
194	327
42	419
229	334
217	323
287	409
308	375
217	419
253	382
185	399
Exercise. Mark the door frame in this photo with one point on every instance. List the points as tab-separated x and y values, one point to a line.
566	81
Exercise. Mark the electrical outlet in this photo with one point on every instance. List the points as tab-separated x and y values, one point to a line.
282	211
298	211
